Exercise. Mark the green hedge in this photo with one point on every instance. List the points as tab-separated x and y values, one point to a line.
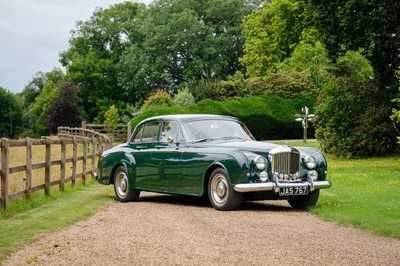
266	116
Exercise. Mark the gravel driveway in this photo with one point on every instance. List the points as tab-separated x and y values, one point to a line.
171	230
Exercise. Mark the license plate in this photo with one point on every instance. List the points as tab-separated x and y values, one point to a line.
288	191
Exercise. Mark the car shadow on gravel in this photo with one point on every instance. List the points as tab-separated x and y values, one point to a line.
274	206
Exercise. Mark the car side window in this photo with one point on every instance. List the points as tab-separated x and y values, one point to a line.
150	132
169	132
138	135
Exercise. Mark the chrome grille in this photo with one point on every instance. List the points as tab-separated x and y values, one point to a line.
286	165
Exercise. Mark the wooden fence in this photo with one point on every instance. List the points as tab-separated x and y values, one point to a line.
51	155
118	132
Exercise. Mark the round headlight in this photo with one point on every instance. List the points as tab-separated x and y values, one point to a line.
310	161
260	163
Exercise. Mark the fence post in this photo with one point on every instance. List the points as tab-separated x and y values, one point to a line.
74	160
93	155
83	126
47	167
85	146
129	132
5	161
28	178
63	162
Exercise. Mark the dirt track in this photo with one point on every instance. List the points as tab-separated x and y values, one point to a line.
170	230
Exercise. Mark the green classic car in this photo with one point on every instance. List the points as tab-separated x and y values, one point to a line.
212	156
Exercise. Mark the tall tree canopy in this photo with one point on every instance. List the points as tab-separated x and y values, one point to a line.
372	26
95	49
185	40
272	34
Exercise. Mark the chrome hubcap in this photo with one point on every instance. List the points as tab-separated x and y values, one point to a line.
121	183
219	189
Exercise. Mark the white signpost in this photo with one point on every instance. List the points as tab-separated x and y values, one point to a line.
304	118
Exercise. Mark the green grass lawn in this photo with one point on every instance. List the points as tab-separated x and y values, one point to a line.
365	193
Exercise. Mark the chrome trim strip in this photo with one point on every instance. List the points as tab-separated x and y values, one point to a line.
270	186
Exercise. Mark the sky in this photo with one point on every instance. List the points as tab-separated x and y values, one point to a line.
34	32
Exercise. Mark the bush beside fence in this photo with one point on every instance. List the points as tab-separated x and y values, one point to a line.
96	144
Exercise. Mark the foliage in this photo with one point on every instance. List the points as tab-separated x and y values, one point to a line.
267	117
111	117
272	33
234	86
184	41
352	119
63	110
33	89
159	98
368	25
34	119
203	89
286	84
311	60
95	50
183	98
10	114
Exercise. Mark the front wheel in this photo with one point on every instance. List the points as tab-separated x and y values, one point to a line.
221	193
121	186
302	202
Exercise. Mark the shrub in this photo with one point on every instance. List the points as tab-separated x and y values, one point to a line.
159	98
267	117
183	98
353	119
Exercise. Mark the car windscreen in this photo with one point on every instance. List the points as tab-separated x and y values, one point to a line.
214	129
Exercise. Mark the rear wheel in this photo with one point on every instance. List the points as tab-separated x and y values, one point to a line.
302	202
121	186
221	193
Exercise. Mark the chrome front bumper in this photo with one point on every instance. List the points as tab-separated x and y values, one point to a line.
275	186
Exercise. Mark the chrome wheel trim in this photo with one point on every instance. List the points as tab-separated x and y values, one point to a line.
121	184
219	189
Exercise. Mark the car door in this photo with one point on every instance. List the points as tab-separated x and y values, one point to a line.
143	144
167	155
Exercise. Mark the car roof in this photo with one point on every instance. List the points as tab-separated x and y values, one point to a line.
188	117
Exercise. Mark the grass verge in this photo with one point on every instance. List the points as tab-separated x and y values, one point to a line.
27	220
365	193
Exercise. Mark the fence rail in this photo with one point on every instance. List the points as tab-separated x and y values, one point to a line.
81	144
118	132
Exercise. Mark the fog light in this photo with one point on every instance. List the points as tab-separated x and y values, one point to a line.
263	176
313	175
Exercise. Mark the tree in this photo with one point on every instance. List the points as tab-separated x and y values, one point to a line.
184	41
10	114
368	25
34	118
33	89
157	99
272	34
95	49
352	119
183	98
63	110
111	117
